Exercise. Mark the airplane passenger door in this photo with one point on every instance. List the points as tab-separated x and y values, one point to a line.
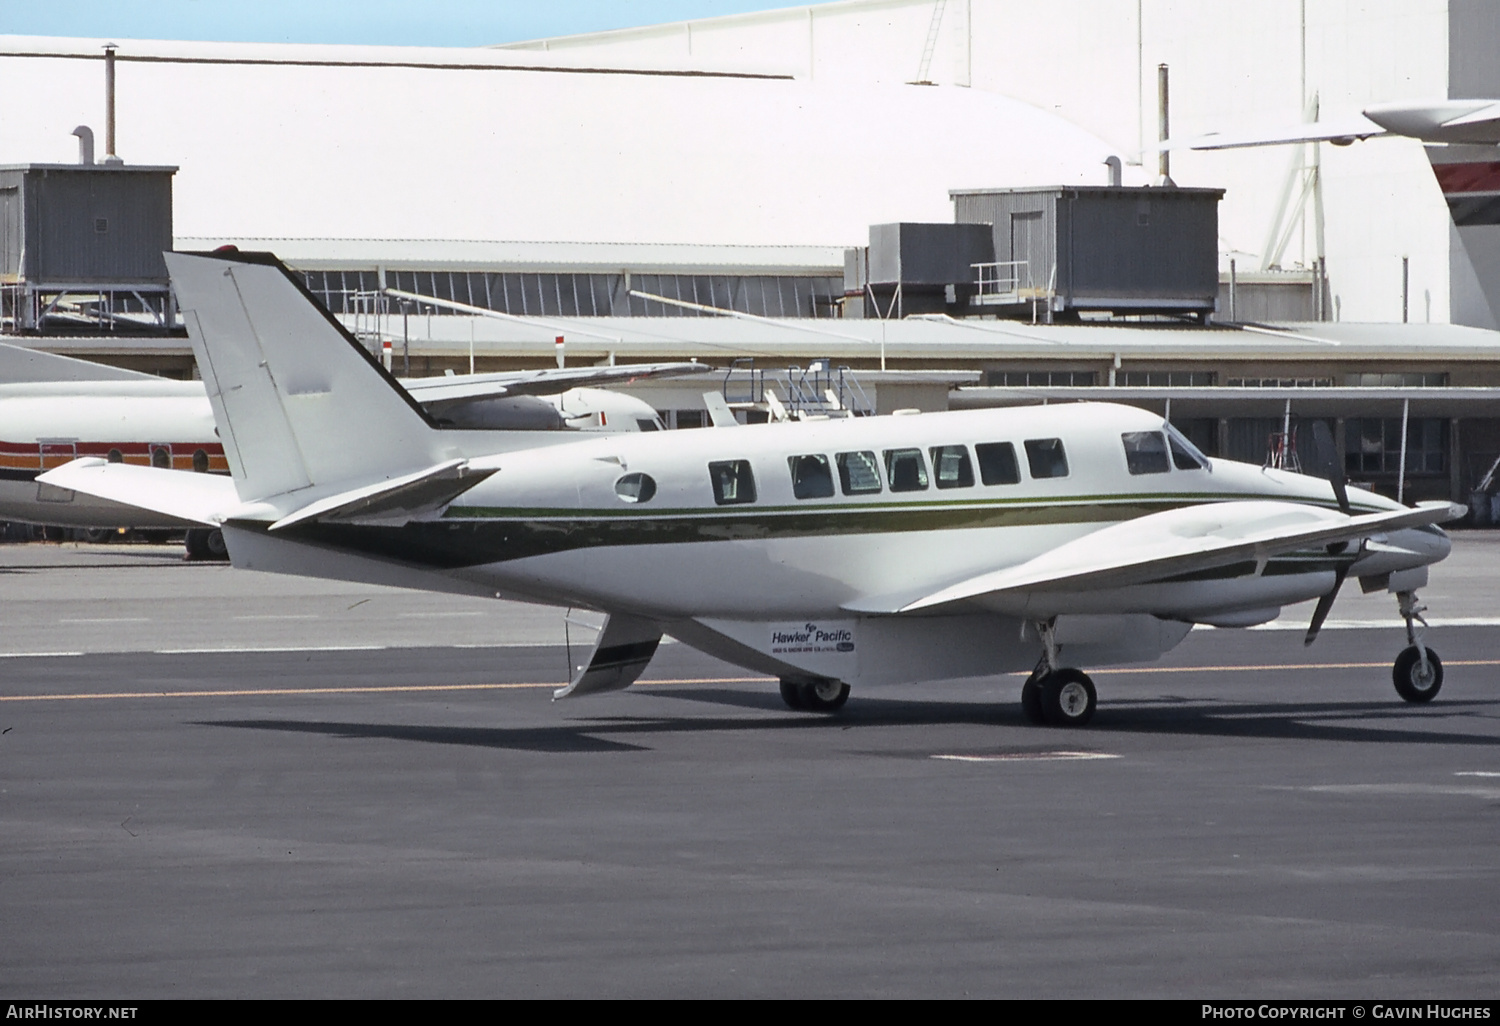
54	453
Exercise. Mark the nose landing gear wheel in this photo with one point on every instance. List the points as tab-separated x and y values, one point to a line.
1414	682
1067	698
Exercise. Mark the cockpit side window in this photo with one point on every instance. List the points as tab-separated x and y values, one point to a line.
1185	455
1145	452
1046	458
906	470
997	463
733	481
951	467
811	476
859	472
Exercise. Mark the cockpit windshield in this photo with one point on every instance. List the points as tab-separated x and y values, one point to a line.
1185	455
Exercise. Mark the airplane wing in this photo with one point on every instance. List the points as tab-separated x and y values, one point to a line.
1451	121
436	391
1169	544
1340	132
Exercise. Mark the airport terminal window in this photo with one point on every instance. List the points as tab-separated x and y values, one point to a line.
997	463
951	467
906	470
635	488
1372	445
811	477
1146	452
1046	458
734	484
859	472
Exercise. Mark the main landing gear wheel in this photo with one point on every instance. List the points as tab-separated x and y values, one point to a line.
205	543
1031	698
1415	681
1067	698
821	695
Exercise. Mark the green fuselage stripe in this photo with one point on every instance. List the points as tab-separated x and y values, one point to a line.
473	536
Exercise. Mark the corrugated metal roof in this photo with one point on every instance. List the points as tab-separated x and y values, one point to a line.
477	255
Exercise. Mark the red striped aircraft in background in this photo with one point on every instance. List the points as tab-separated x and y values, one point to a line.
54	409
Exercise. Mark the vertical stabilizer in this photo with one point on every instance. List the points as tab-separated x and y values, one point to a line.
298	402
1470	179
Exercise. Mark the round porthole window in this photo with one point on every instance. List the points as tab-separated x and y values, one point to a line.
635	488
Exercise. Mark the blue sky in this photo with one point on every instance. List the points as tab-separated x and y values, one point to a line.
393	22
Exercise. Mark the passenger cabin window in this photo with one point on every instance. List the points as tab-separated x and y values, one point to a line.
634	488
734	484
859	472
1146	452
906	470
812	478
1046	458
997	463
951	467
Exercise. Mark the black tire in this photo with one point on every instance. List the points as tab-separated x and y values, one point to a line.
824	696
205	543
1031	700
1067	698
1411	684
99	535
791	694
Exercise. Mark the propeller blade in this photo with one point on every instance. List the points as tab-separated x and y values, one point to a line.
1320	613
1327	464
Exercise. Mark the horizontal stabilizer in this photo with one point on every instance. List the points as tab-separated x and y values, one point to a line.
435	391
201	498
1169	544
19	364
401	496
621	653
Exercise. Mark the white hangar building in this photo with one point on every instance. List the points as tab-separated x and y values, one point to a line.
1234	67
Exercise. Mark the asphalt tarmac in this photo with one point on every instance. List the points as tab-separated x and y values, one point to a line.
215	783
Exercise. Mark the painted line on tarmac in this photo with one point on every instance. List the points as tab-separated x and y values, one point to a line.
1029	757
356	690
261	692
1274	666
1361	625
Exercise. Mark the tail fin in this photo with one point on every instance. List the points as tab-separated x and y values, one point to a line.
298	402
1470	180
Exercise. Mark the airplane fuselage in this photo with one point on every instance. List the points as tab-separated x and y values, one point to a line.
743	534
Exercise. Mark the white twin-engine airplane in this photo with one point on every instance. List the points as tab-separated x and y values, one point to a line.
829	554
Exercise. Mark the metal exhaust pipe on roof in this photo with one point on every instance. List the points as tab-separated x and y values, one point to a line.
109	105
1116	171
85	144
1163	158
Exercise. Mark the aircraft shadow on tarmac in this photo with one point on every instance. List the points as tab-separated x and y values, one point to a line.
1366	722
